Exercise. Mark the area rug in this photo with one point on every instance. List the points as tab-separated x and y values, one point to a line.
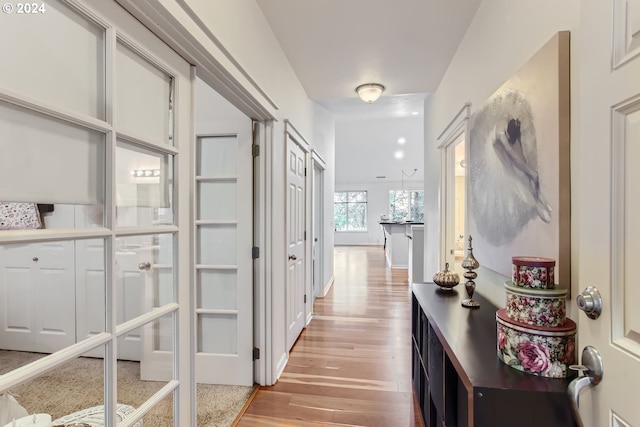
78	385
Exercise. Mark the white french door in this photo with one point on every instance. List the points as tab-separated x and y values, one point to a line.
608	205
99	113
295	235
224	264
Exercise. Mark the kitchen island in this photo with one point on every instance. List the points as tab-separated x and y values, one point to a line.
397	238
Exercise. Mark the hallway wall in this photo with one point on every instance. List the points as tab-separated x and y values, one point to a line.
502	37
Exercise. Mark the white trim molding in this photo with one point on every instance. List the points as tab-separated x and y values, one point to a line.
179	26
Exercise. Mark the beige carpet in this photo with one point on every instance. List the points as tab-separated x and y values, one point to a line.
79	385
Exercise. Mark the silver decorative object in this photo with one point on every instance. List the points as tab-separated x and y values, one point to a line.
446	279
469	263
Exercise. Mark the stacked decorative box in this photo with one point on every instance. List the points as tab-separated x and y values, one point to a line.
534	335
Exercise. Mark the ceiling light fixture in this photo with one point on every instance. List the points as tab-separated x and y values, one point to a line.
370	92
402	140
398	154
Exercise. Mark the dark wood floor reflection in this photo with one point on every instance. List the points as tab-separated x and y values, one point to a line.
351	366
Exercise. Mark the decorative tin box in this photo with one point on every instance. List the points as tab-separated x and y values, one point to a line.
533	272
537	307
536	350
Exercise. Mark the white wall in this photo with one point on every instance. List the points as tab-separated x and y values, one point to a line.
377	203
242	31
365	149
502	37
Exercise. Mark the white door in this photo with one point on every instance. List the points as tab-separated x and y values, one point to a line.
295	235
318	231
224	275
133	275
133	286
607	207
37	297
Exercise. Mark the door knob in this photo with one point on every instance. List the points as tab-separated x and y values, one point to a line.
292	257
590	302
592	370
144	266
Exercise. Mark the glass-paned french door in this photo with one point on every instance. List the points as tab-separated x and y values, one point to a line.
223	270
95	136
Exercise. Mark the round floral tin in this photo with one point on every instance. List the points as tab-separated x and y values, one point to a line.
538	307
533	272
541	351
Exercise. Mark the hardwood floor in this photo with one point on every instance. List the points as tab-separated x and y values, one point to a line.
352	365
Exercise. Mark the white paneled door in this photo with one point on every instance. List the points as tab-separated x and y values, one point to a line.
36	293
608	205
295	235
224	275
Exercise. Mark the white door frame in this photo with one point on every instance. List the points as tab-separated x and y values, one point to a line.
262	238
317	227
452	133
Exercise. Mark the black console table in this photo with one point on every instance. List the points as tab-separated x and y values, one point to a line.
458	377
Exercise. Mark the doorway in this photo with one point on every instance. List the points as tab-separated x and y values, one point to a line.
223	270
317	244
455	199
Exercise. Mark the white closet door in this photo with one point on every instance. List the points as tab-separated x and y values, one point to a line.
36	293
224	286
295	224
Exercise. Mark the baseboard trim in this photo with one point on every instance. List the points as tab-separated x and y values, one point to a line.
325	291
280	367
357	244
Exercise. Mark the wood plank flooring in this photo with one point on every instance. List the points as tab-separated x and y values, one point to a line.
352	364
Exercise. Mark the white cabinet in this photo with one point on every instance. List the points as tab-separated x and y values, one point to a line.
52	295
37	296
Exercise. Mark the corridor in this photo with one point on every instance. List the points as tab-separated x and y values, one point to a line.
351	366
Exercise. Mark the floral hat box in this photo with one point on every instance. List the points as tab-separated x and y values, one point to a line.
533	272
537	307
536	350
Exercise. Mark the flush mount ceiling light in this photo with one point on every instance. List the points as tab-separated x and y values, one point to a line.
370	92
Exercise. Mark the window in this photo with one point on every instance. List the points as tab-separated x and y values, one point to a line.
406	206
350	210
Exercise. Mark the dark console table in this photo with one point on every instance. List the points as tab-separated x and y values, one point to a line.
458	377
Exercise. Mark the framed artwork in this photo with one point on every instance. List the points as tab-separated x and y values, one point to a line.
519	166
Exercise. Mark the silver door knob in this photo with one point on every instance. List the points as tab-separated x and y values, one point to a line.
590	302
592	370
293	257
144	266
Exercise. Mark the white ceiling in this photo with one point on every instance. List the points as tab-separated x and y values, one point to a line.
336	45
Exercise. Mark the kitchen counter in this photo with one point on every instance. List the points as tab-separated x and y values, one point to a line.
397	238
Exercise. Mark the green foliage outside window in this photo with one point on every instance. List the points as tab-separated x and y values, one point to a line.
350	211
406	206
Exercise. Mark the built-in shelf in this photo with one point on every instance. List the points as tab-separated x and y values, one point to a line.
458	377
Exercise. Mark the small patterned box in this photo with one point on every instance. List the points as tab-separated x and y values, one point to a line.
536	350
533	272
537	307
